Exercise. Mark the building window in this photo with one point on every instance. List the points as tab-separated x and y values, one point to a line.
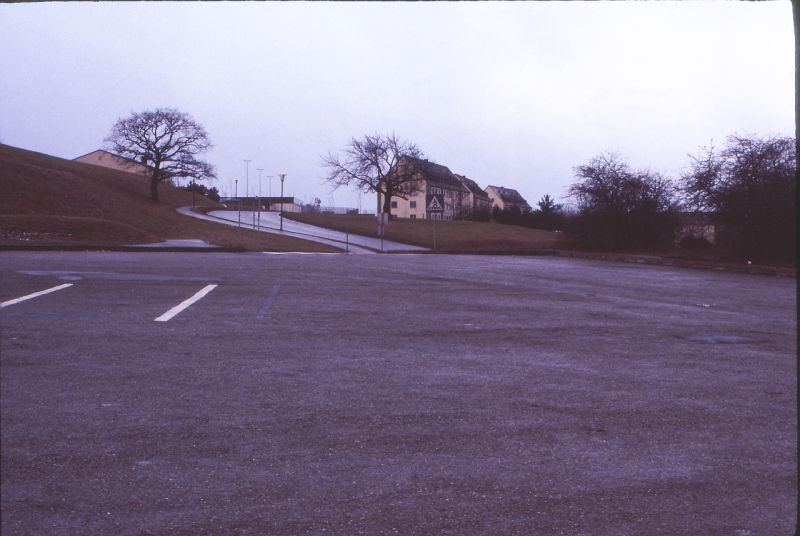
394	204
413	216
413	204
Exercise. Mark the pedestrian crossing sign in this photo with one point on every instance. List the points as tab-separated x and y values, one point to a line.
435	202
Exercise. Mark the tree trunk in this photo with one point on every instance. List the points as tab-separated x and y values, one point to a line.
154	187
387	203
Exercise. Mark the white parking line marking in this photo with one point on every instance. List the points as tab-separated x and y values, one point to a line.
185	304
34	295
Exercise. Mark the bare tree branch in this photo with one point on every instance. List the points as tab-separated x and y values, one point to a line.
375	163
166	140
622	207
750	186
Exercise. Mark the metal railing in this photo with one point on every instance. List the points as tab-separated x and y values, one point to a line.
320	209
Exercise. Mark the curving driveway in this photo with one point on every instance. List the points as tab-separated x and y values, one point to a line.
270	223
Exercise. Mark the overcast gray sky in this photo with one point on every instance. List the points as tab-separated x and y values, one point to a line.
509	93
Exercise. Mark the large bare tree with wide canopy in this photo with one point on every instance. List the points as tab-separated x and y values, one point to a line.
167	141
375	163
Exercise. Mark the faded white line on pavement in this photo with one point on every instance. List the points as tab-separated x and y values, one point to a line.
270	301
185	304
298	253
34	295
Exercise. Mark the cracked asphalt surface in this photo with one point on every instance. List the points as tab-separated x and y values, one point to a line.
402	394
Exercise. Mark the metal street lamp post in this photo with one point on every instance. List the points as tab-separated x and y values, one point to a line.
247	181
238	205
282	177
259	196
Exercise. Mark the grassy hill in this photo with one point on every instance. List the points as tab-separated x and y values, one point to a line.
49	200
453	236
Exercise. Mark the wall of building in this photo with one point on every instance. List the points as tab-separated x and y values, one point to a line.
108	160
497	201
412	208
285	207
481	205
457	204
494	198
698	226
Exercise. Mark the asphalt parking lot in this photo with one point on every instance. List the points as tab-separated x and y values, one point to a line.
402	394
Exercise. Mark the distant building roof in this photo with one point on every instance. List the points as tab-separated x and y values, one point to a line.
473	187
509	195
131	160
435	174
124	163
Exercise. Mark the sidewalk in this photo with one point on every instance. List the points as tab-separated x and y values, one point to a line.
270	223
198	246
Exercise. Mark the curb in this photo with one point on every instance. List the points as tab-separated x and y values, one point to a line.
776	271
650	260
109	247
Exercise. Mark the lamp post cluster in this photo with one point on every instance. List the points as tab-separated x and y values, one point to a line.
256	204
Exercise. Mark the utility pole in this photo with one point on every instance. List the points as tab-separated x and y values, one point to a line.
247	180
238	205
259	196
282	177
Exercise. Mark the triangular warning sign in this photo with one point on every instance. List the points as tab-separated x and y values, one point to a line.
435	206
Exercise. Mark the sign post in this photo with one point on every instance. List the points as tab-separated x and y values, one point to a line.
434	204
383	219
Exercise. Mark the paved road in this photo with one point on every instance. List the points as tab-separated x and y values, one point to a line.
269	222
410	394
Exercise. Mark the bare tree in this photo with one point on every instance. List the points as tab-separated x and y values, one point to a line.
166	140
608	184
375	163
750	187
622	208
700	184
